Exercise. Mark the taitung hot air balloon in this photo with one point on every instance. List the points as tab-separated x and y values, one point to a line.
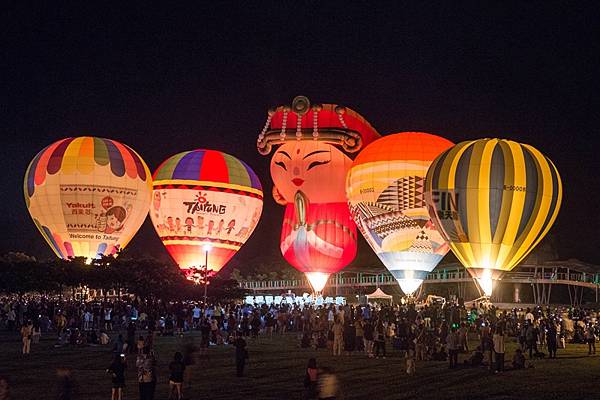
205	201
493	200
386	194
88	196
308	168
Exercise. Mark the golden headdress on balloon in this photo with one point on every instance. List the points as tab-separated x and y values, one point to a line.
331	123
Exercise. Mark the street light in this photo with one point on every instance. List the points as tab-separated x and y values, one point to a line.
207	249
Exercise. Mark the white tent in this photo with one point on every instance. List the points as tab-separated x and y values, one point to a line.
379	294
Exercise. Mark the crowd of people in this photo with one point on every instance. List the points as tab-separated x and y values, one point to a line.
476	333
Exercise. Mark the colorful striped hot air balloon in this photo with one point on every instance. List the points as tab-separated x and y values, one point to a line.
385	190
493	200
88	196
205	200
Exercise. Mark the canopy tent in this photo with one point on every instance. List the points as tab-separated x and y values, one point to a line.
379	294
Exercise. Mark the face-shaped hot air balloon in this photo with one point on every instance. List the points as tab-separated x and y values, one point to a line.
205	200
385	189
318	236
88	196
493	200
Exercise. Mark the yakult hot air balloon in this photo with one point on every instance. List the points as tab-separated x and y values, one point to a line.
493	200
308	168
385	189
205	199
88	196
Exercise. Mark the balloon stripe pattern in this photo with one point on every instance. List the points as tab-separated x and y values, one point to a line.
208	166
493	200
205	200
87	195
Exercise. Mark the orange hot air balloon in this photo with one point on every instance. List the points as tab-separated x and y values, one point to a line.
386	194
308	168
87	196
205	206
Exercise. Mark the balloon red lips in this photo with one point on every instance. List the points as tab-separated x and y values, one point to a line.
298	181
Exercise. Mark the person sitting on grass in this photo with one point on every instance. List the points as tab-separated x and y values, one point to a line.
518	361
305	341
104	338
476	359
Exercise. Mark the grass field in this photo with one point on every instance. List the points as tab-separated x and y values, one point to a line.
276	367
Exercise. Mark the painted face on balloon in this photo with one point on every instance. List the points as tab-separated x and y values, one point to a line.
315	168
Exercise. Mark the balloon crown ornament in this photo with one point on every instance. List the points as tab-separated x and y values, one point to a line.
330	123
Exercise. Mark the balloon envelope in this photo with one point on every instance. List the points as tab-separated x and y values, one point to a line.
318	236
205	200
87	196
493	200
385	190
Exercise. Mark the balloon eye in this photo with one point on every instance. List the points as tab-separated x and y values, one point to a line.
281	164
316	164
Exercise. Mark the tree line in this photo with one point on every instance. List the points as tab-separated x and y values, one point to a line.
146	278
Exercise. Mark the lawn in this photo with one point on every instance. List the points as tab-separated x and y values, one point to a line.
276	368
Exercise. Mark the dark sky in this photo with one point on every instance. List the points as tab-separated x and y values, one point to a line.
178	78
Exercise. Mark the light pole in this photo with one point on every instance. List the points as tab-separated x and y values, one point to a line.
207	249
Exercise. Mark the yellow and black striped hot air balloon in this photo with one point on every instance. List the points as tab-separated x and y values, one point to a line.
493	200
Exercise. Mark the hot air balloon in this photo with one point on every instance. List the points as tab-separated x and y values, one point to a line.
205	205
87	196
493	200
308	168
385	190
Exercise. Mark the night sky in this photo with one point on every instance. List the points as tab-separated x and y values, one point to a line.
174	79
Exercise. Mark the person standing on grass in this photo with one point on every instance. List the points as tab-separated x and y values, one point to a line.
360	333
368	332
498	340
65	384
452	345
379	339
26	333
338	337
311	380
349	336
241	354
36	332
590	338
531	339
177	369
146	366
552	339
117	371
463	337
